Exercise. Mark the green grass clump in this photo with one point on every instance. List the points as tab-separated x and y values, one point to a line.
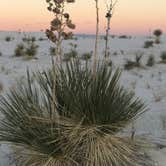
80	128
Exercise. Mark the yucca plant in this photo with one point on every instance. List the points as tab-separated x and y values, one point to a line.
8	38
52	51
163	56
148	44
81	129
157	34
19	50
31	49
151	61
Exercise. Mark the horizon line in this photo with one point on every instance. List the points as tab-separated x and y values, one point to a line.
84	33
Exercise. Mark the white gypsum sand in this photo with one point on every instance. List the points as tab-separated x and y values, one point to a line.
149	83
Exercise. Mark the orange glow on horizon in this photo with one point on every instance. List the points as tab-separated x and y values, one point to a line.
130	16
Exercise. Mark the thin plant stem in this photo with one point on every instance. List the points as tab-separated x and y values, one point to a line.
97	38
109	14
106	38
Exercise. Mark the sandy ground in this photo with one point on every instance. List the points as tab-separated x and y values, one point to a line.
149	83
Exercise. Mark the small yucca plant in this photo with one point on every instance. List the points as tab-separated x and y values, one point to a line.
86	56
148	44
19	50
31	50
151	61
52	51
157	34
81	129
163	56
8	39
28	50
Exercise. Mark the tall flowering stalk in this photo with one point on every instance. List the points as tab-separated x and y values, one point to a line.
97	36
57	31
108	16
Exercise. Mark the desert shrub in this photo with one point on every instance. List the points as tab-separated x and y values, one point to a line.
19	50
41	39
29	39
8	39
132	64
24	39
80	128
87	56
138	58
148	44
157	33
151	61
31	49
115	53
1	87
27	50
163	56
72	52
33	39
123	37
52	51
122	52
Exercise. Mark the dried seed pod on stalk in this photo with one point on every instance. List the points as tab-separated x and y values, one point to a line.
59	25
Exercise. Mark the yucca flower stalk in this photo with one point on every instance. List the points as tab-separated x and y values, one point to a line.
91	112
110	6
57	32
95	58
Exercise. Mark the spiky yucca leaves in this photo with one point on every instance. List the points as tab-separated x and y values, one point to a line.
93	100
36	138
82	129
100	108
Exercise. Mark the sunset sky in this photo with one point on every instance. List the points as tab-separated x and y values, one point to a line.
130	16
